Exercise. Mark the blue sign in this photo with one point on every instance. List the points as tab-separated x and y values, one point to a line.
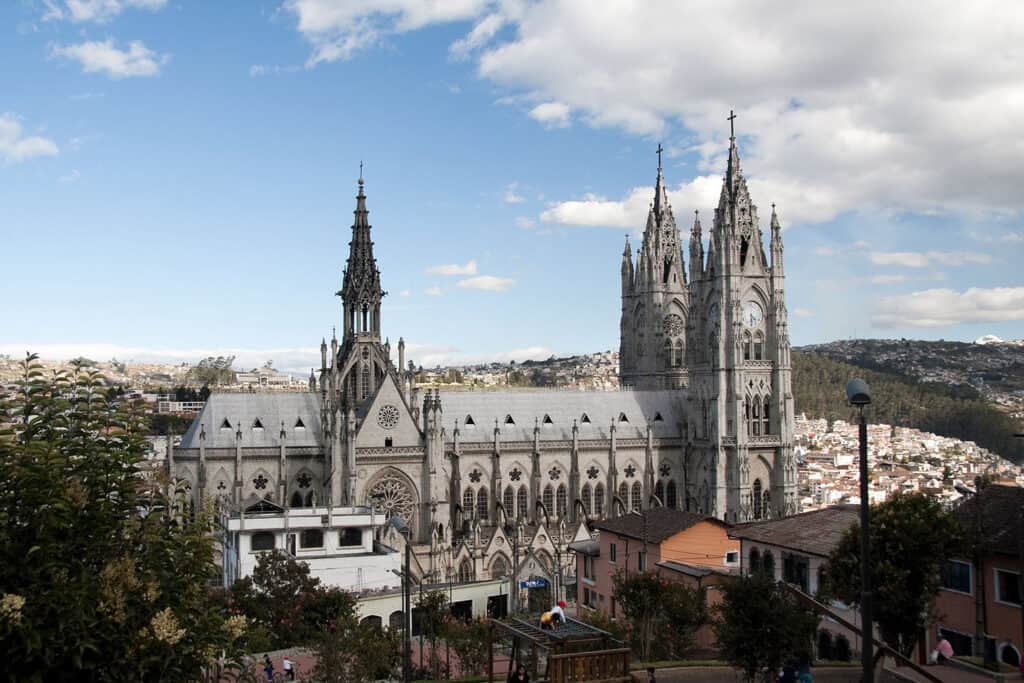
533	583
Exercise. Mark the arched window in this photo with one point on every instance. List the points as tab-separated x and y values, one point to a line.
396	621
755	416
746	346
465	571
508	500
599	500
311	538
746	416
366	382
638	496
1008	655
768	562
481	503
467	502
755	561
296	500
310	499
549	499
765	423
758	347
522	503
624	496
677	356
560	501
766	505
586	497
262	540
756	499
499	568
669	360
671	499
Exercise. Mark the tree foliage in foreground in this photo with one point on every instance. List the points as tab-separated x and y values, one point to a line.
760	626
102	575
664	615
912	536
348	651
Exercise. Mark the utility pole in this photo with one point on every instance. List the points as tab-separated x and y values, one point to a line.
406	600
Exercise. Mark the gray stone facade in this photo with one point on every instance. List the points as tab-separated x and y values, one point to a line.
486	479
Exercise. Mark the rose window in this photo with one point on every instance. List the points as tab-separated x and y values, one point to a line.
304	480
474	476
630	471
673	325
665	469
515	474
260	482
392	497
592	472
387	416
554	473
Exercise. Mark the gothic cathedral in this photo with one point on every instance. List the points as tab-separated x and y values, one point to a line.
704	421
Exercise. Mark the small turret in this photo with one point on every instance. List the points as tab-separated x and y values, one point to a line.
627	267
696	248
776	245
323	354
312	380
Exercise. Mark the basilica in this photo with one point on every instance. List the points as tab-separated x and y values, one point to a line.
488	479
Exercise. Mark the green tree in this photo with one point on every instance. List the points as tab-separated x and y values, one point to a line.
760	626
350	652
432	608
470	642
102	575
912	536
661	612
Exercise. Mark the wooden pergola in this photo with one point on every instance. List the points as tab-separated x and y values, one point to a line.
574	652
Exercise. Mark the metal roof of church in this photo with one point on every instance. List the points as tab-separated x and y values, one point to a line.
223	414
529	407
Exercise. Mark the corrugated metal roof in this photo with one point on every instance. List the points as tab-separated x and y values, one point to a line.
223	414
554	412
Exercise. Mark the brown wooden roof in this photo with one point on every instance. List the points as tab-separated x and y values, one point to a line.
660	522
1000	523
816	533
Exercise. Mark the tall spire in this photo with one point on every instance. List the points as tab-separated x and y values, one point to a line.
733	169
361	292
696	248
660	198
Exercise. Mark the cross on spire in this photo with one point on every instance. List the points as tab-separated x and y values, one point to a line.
360	171
659	151
732	128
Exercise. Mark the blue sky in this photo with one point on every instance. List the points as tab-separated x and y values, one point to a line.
177	177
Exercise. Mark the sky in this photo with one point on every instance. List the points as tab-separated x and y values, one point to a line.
177	177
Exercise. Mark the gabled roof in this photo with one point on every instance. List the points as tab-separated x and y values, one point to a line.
1000	523
655	525
242	410
816	533
530	407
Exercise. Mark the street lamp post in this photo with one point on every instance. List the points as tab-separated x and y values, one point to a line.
858	395
404	529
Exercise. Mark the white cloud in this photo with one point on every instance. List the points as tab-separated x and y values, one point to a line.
70	177
94	10
487	282
525	222
95	57
941	307
15	147
1012	237
915	259
510	196
482	33
405	293
431	356
338	28
433	291
887	279
803	313
257	70
554	114
453	269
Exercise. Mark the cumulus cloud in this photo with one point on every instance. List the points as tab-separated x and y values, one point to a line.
105	57
511	196
453	269
430	356
525	222
94	10
338	28
941	307
16	147
803	312
555	114
915	259
487	282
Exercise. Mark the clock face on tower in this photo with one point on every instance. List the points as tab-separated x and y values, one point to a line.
752	314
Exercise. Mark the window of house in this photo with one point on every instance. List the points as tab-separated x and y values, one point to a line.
755	560
467	502
613	552
388	442
549	499
1007	587
522	504
732	557
599	500
311	538
350	537
641	561
638	496
956	576
963	644
586	497
671	499
263	540
482	503
561	501
508	501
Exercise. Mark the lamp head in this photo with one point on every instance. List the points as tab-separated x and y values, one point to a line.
857	393
400	525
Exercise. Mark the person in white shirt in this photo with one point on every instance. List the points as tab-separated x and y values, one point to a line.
289	668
